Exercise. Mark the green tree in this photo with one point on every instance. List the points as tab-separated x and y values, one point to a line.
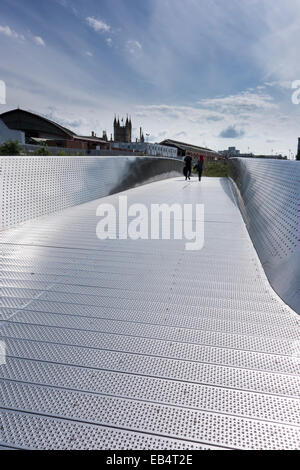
298	156
44	151
10	148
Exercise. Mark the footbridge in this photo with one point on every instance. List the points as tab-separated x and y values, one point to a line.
142	344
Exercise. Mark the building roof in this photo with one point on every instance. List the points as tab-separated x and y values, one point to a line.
42	118
47	130
184	146
90	139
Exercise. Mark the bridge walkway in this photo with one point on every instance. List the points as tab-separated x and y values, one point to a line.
123	344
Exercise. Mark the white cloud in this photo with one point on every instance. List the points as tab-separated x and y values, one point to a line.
70	122
196	67
134	47
7	31
249	119
90	54
283	84
231	132
243	101
276	50
39	41
98	25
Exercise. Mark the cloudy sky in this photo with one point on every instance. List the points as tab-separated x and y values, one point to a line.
211	72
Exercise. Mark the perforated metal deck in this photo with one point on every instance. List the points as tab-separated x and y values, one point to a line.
124	344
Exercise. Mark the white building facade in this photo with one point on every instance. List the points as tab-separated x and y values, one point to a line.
147	148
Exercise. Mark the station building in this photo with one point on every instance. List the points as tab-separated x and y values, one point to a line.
193	151
40	130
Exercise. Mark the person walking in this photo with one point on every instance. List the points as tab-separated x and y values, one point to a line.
199	166
188	165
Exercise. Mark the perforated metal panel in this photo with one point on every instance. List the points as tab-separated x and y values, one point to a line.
35	186
143	345
41	432
270	200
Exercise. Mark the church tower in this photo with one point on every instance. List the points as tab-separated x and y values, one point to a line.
122	133
142	138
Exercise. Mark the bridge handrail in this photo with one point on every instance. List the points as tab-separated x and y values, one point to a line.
33	186
268	192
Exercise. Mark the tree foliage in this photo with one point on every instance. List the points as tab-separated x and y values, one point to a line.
10	148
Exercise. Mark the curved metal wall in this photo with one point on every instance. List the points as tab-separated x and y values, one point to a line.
35	186
269	197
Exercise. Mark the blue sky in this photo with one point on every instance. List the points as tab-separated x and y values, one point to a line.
210	72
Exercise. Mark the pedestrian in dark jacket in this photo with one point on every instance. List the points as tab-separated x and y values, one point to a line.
199	166
188	164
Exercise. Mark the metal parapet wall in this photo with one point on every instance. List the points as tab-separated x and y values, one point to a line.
124	344
36	186
269	197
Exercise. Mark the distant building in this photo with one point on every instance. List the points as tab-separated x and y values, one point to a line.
122	133
40	130
147	148
231	152
142	138
194	151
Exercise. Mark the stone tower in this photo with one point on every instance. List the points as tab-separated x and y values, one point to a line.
122	133
142	138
